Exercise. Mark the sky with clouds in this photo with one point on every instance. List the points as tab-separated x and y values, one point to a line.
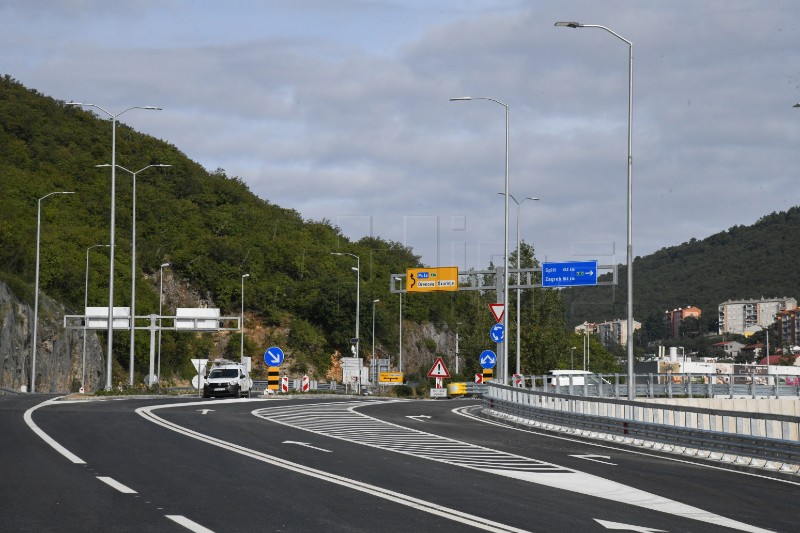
340	110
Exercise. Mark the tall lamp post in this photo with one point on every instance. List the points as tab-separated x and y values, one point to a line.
400	340
112	223
631	384
357	268
374	363
133	259
504	343
241	323
519	265
160	302
36	289
85	305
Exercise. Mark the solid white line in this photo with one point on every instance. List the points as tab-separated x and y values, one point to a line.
188	524
45	437
111	482
463	412
374	490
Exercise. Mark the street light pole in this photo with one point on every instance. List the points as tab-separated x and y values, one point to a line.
36	289
85	305
374	365
133	262
504	343
160	300
400	348
357	268
631	384
519	266
241	321
113	215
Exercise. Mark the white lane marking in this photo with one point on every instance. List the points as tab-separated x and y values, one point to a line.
188	524
627	527
111	482
307	445
374	490
463	411
595	458
45	437
358	430
417	417
205	411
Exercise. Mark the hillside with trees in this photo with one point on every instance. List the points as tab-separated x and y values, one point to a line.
212	229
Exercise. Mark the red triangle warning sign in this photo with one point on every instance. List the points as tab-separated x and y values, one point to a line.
438	370
497	311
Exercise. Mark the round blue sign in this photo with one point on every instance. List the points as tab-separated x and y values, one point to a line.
273	356
488	359
497	333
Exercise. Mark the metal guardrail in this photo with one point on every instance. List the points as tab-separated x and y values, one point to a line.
670	385
717	434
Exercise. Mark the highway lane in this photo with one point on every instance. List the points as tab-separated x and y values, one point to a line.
273	473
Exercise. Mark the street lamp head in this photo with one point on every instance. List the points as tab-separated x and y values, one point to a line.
355	268
531	198
164	265
375	301
796	105
460	98
570	24
245	276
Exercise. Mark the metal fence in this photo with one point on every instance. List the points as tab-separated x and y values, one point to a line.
757	439
670	385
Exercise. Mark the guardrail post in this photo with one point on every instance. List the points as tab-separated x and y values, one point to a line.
650	386
710	388
689	388
669	386
616	386
600	388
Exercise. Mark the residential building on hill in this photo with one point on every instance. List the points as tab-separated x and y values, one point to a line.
674	318
788	327
615	331
743	316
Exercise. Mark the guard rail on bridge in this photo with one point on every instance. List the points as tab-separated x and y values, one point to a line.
756	439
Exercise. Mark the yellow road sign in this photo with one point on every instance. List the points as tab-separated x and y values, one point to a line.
432	279
390	377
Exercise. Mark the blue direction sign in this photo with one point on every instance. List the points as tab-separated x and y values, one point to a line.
497	333
273	356
488	359
569	274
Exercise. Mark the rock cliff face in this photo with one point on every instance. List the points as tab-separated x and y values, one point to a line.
59	353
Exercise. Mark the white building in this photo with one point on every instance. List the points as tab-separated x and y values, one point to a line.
615	331
740	316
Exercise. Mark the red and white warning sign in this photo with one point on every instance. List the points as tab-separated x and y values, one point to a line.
438	370
305	384
497	311
478	378
284	383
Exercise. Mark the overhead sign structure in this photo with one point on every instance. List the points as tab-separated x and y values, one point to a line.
273	356
432	279
497	311
569	274
497	333
438	370
488	359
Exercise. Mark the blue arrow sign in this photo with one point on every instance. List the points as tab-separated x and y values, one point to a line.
273	356
488	359
497	333
569	274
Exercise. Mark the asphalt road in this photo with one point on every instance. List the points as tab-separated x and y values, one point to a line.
346	465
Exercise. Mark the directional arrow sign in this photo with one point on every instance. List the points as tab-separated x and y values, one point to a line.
273	356
569	274
488	359
497	333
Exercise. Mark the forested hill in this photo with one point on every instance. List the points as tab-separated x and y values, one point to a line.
741	263
207	225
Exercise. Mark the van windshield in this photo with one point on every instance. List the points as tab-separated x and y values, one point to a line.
223	373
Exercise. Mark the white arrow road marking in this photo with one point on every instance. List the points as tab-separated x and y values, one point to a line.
307	445
205	411
417	417
626	527
595	458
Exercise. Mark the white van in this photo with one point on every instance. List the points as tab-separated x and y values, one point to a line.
561	378
228	378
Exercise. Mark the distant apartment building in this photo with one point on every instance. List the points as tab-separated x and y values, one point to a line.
615	331
788	328
743	316
674	318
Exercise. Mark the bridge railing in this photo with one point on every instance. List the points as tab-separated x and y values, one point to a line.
727	435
